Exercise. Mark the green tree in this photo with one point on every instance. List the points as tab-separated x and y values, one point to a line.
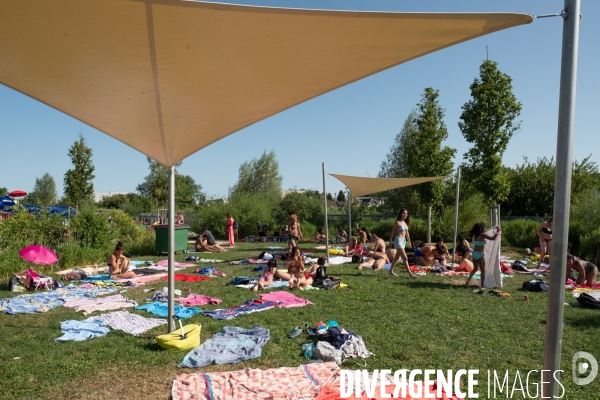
532	186
488	122
3	191
424	154
341	196
44	191
260	175
394	166
78	185
156	186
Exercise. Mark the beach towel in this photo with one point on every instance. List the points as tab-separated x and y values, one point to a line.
286	299
188	278
162	310
129	323
493	272
79	331
229	346
197	300
44	301
248	307
303	382
276	285
165	263
100	304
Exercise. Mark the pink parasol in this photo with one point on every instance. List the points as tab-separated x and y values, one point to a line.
38	255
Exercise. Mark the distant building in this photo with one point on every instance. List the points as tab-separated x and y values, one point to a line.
100	196
286	192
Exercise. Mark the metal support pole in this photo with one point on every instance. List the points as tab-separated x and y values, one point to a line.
171	234
429	224
349	215
326	221
456	213
562	197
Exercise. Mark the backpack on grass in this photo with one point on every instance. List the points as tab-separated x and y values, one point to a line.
535	286
588	301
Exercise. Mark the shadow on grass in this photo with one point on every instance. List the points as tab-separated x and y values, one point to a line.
416	284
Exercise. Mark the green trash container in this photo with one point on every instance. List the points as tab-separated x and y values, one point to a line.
162	238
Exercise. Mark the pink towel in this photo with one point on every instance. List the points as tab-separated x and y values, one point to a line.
286	298
197	299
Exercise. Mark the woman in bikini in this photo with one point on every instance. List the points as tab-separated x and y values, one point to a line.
341	235
461	240
294	232
353	248
465	264
295	266
587	271
440	251
362	237
118	264
544	232
479	238
398	238
267	278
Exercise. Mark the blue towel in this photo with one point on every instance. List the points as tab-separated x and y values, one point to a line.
79	331
162	310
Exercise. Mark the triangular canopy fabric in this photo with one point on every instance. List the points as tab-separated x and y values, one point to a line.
360	186
170	77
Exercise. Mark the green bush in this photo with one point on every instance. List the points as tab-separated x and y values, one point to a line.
520	233
383	228
124	227
246	210
90	229
470	212
23	229
590	245
73	254
145	245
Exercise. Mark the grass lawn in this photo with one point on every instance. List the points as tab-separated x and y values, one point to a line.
432	322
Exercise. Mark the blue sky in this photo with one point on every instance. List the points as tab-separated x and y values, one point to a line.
352	128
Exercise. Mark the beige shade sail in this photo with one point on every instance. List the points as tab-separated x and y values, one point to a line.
360	186
170	77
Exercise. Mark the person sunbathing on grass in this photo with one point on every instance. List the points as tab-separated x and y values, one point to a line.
267	278
440	251
306	278
118	264
465	265
294	264
377	257
424	255
353	248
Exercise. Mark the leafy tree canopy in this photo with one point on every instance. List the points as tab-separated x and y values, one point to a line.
78	185
260	175
488	122
44	191
156	186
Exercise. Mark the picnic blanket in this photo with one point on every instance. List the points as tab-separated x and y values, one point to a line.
286	299
229	346
88	305
44	301
303	382
276	285
188	278
81	330
197	300
162	310
248	307
129	323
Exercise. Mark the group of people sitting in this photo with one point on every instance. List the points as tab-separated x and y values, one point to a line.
296	273
206	243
